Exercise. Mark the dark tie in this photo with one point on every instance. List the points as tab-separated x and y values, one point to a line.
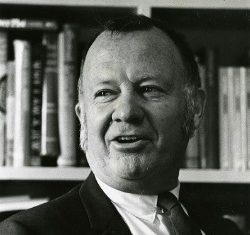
177	221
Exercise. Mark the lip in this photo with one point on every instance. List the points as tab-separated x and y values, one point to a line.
129	147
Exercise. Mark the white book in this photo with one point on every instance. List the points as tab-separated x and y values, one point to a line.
225	162
243	116
238	161
67	90
22	53
10	113
230	81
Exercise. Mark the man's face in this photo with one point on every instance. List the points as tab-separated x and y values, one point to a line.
133	105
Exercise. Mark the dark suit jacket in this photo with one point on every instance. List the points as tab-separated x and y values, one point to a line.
84	210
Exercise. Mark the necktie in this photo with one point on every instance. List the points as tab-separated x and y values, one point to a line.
177	221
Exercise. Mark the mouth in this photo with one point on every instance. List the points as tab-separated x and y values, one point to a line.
129	143
127	139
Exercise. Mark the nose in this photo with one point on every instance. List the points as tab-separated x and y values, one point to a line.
128	109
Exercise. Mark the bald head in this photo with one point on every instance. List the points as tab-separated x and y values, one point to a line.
135	46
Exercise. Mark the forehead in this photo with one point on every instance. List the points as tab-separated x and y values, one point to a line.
150	50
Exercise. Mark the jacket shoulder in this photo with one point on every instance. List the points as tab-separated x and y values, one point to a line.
63	215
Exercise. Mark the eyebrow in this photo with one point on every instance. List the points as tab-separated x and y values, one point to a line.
104	80
168	82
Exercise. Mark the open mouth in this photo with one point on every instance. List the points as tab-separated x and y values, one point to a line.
127	139
129	143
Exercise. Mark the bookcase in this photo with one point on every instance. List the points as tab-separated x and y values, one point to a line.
216	23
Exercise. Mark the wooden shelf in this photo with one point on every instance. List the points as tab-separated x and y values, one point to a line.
44	173
79	174
215	176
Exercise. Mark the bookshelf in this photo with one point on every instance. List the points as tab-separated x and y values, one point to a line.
80	173
218	19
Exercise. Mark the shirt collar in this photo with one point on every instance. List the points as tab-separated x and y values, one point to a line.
141	206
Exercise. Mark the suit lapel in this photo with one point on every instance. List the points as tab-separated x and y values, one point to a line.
104	218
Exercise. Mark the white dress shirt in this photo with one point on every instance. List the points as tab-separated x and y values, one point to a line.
138	211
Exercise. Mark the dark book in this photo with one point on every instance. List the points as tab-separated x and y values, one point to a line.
211	111
36	103
49	138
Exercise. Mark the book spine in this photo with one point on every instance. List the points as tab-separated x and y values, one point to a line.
49	137
231	100
248	117
22	51
10	113
243	116
236	123
36	104
67	95
211	116
16	23
3	81
223	119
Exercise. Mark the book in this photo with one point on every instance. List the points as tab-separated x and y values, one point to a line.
10	113
225	161
30	24
235	127
231	112
67	88
211	112
243	117
248	117
49	135
22	51
36	104
3	84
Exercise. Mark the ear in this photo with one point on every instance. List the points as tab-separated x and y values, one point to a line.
200	107
78	111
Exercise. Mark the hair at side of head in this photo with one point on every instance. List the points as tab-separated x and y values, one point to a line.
131	23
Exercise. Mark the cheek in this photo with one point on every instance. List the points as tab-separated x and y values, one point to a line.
98	120
168	122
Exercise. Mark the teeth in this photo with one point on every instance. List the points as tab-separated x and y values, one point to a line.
127	138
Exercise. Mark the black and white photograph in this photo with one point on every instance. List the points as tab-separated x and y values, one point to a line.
124	117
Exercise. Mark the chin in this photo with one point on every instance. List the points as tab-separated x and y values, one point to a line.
129	170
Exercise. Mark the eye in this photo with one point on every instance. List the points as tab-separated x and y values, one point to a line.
149	89
103	93
151	92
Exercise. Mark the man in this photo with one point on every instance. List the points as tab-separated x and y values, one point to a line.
139	103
